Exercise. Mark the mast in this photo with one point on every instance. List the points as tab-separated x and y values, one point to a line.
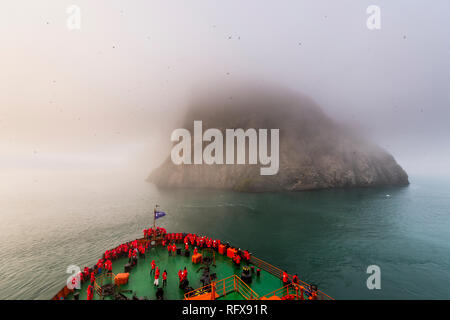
154	223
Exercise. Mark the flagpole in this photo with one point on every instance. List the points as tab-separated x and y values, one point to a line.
154	224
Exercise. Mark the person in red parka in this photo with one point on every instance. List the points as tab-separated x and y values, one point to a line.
156	282
174	248
90	292
108	266
164	277
99	266
153	266
237	259
86	273
246	256
92	278
285	278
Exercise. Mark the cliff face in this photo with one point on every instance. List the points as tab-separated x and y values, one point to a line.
314	151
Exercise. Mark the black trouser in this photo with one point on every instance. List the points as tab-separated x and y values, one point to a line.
164	282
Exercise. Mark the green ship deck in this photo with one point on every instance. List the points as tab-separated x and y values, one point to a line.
265	283
141	282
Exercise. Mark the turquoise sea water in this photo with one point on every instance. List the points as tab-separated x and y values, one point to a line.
328	237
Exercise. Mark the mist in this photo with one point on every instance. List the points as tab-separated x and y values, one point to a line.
104	99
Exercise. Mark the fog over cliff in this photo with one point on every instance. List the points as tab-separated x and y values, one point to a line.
315	151
103	99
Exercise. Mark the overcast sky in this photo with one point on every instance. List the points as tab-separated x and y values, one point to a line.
104	96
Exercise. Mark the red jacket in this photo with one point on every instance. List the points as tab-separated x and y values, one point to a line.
90	292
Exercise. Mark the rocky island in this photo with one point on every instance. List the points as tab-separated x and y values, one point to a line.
314	151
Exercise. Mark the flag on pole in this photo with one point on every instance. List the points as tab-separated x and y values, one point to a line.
159	214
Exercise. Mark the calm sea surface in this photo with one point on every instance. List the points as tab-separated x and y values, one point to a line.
328	237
